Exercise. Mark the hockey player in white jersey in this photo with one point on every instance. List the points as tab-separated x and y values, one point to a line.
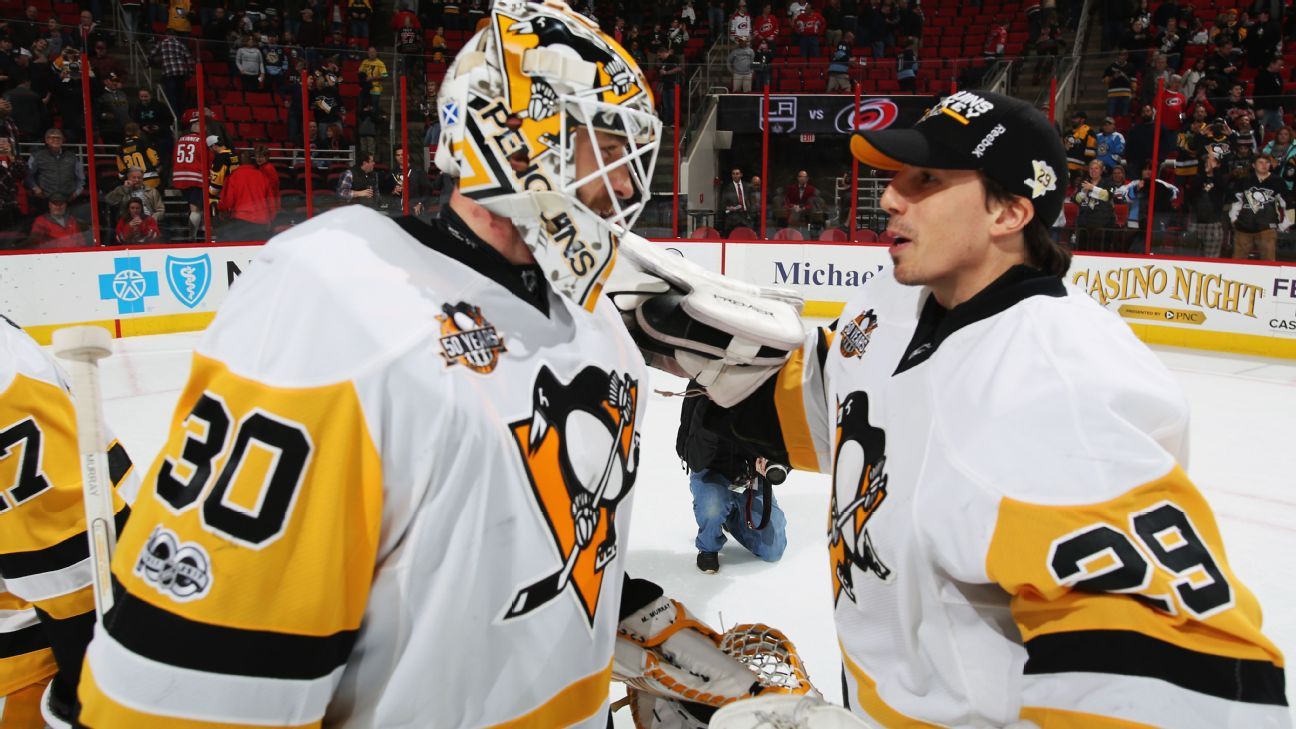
1012	536
47	610
397	483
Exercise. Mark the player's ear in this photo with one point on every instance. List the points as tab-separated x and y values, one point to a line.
1010	215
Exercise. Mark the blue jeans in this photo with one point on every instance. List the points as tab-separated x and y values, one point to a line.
716	506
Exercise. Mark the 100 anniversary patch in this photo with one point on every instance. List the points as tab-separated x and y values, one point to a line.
468	339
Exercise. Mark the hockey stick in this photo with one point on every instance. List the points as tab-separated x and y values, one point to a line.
82	348
546	588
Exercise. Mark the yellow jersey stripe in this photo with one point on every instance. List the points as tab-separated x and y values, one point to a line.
1050	718
868	699
790	404
100	711
21	709
23	670
574	703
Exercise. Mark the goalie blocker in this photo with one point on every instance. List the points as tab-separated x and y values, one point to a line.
728	335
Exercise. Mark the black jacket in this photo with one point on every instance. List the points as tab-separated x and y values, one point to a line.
701	448
1208	198
1261	203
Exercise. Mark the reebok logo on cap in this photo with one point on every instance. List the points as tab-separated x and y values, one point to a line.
1005	139
989	140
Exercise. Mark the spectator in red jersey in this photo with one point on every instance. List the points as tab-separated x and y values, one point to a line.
245	202
996	38
1173	106
57	228
810	29
136	226
189	168
766	27
399	19
261	155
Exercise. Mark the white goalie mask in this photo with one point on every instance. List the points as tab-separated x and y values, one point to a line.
549	122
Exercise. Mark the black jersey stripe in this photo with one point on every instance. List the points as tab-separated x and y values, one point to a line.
1128	653
20	642
163	636
68	638
119	463
52	559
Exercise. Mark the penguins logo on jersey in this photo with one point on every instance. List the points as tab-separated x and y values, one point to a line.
1257	198
179	570
860	482
855	335
468	339
580	452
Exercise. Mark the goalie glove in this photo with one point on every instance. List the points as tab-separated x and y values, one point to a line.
728	335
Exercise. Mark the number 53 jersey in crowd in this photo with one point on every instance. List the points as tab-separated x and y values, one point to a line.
1012	535
395	494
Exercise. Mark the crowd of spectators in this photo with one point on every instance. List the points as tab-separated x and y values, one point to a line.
1218	137
259	48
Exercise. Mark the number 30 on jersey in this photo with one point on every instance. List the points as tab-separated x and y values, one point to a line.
260	458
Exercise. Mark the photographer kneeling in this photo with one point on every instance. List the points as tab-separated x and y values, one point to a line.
729	489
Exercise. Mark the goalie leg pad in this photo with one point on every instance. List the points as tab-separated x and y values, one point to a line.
663	650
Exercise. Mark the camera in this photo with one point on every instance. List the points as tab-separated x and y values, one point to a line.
776	473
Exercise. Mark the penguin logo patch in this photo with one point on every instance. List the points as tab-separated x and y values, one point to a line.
468	339
580	451
855	335
860	482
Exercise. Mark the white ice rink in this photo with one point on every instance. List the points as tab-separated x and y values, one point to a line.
1243	459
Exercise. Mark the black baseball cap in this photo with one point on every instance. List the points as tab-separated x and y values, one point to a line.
1006	139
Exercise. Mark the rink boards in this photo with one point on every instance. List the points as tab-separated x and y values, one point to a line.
1191	302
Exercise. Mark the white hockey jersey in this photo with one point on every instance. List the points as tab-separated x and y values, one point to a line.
1012	536
395	494
44	553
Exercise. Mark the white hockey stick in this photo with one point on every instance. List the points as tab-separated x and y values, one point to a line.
82	348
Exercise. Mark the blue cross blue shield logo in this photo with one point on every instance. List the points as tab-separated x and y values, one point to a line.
189	278
128	284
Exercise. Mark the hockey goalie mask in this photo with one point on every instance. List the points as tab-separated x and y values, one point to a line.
549	122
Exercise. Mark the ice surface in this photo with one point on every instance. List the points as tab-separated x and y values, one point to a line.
1243	459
